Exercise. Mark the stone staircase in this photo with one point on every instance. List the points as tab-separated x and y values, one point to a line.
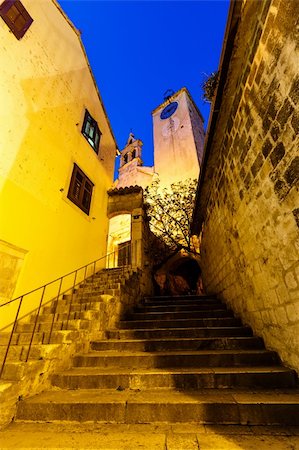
72	321
179	359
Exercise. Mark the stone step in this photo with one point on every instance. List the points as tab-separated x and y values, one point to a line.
21	370
174	298
176	307
57	337
210	358
214	406
59	317
164	333
176	315
190	300
76	306
95	293
99	284
181	323
20	352
46	326
160	345
193	378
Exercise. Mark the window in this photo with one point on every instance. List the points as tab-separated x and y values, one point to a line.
16	17
80	190
91	131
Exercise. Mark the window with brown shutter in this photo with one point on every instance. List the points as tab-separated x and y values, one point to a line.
91	131
80	190
16	17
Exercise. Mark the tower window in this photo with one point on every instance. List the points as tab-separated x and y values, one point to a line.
126	158
16	17
91	131
80	190
133	154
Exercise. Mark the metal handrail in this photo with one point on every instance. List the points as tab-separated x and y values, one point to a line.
56	298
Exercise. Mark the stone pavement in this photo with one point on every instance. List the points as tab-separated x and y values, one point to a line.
148	436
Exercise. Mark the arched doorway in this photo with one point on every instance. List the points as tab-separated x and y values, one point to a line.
119	241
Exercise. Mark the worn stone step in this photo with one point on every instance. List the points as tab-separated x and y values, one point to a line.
177	307
193	378
110	284
172	301
20	370
180	323
95	293
211	358
79	324
76	306
174	298
164	333
176	315
20	352
57	337
214	406
65	308
158	345
59	317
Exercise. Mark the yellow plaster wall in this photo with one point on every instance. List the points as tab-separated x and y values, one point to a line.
45	86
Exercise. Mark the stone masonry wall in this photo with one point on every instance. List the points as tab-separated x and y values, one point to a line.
250	241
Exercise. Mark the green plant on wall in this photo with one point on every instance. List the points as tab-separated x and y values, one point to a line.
209	86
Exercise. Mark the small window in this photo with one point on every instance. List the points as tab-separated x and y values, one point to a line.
126	158
16	17
91	132
80	190
133	154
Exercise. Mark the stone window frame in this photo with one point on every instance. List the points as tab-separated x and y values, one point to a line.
80	190
91	131
16	17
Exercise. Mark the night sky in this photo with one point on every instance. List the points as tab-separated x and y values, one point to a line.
139	49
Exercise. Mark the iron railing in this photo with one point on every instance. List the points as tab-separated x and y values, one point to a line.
43	295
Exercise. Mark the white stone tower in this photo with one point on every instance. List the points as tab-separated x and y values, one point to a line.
178	138
131	171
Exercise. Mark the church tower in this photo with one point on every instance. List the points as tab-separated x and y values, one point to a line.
131	171
178	138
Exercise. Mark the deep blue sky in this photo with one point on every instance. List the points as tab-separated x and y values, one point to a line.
139	49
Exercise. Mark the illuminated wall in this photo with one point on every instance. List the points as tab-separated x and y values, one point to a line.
178	139
45	86
119	232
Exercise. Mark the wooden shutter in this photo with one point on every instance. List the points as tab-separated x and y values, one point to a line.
16	17
80	190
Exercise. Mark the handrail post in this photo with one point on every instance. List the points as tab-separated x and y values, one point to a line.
35	323
132	254
72	296
84	283
94	270
11	335
55	309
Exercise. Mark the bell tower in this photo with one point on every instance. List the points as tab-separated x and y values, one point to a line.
178	138
131	171
131	152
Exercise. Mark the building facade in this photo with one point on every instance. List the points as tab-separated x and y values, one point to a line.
57	149
247	202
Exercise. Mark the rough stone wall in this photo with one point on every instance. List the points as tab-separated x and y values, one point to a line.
249	199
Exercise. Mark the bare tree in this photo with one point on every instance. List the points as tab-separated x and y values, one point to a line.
170	212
